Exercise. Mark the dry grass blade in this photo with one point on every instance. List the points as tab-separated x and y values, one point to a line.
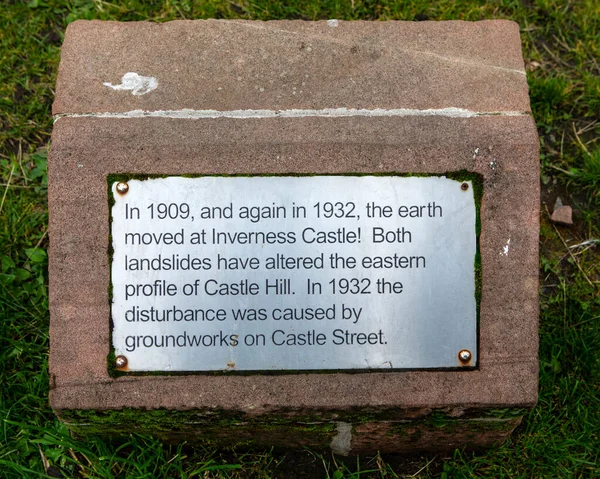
44	459
579	139
423	468
591	241
36	246
6	189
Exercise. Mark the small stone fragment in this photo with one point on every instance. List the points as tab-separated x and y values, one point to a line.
562	215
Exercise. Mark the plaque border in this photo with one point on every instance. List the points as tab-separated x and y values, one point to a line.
477	181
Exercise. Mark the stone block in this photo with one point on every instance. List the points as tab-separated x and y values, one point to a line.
294	98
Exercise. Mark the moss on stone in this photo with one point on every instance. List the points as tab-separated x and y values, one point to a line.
202	427
415	429
234	428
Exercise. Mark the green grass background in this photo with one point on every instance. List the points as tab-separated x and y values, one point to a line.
559	438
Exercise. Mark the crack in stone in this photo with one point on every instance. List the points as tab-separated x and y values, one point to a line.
463	61
349	44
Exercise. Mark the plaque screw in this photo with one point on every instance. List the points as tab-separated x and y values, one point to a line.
464	186
122	188
121	361
464	356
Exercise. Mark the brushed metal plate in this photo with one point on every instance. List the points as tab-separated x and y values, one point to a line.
293	273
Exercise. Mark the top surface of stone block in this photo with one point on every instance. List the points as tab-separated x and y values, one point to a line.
286	65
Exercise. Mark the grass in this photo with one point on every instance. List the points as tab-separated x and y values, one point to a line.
559	438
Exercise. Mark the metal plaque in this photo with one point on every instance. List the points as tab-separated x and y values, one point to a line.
293	273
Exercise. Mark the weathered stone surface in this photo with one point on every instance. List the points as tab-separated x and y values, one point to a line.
562	215
279	65
344	433
477	67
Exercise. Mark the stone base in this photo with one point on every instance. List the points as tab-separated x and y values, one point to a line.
343	433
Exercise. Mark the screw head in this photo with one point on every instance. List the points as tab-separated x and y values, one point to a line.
464	356
121	361
122	187
464	186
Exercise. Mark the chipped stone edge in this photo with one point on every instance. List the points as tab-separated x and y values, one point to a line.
189	114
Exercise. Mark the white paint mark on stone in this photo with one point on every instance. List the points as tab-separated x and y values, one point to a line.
293	113
505	248
333	23
137	84
342	441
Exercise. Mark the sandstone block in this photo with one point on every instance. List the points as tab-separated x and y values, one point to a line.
215	97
